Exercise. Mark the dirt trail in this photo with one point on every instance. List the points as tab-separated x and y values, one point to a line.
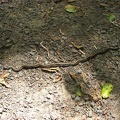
36	31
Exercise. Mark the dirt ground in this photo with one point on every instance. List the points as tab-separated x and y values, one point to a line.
41	31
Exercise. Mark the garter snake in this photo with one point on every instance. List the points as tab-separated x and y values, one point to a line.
100	52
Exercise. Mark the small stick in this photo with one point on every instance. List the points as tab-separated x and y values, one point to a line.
45	49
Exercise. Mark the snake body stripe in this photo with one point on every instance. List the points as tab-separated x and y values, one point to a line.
61	64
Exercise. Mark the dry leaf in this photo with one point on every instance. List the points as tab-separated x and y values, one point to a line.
51	70
57	78
77	46
71	1
71	8
2	80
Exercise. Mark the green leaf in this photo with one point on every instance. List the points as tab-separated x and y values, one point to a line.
111	18
71	8
106	90
78	91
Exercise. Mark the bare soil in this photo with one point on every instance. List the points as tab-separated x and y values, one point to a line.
37	31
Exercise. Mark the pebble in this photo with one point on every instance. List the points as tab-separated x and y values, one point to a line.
46	117
99	111
3	116
49	96
78	99
99	107
11	6
1	109
83	56
54	115
73	96
81	103
79	71
57	108
99	117
92	104
89	119
50	92
44	92
83	117
74	51
21	74
90	113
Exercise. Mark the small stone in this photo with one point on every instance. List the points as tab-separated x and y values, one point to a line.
79	71
99	111
99	107
1	109
99	117
73	96
77	109
83	117
57	108
11	6
49	96
90	113
77	98
44	92
83	56
92	104
50	92
74	50
89	119
21	74
81	104
54	115
3	116
63	105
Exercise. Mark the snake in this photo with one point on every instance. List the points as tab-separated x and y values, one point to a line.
67	64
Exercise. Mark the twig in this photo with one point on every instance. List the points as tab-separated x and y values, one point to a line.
45	49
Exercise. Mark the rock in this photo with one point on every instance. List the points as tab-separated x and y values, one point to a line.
1	109
44	92
79	71
54	116
77	109
99	107
74	50
92	104
49	96
73	96
99	111
78	99
89	119
90	113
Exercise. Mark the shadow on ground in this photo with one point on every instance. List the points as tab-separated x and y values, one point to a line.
25	25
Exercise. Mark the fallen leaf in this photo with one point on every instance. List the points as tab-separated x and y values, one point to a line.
71	8
104	5
2	80
51	70
111	18
77	46
106	90
78	91
57	78
71	1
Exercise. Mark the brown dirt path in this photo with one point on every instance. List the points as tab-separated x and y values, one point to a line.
35	31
